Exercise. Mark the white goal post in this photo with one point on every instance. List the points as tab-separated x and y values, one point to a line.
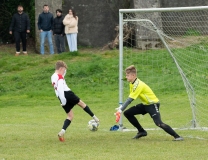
151	37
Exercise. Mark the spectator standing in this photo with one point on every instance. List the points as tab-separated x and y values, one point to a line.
45	25
58	31
71	29
20	26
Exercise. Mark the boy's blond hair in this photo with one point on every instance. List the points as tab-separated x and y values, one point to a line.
131	69
60	64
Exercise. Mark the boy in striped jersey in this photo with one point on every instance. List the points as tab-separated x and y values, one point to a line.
150	104
67	98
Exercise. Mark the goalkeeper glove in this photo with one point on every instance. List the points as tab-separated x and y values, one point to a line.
118	115
119	108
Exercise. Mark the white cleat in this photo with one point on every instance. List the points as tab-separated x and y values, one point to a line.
178	139
61	136
96	119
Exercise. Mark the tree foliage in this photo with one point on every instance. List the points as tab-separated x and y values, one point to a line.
7	9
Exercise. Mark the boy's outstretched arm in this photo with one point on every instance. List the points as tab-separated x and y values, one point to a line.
122	108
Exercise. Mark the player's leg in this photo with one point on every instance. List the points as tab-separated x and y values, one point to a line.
56	38
42	41
73	99
50	42
130	115
62	43
74	42
24	42
17	42
88	110
68	37
153	110
67	122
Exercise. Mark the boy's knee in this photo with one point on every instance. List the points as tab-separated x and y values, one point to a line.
126	113
158	123
70	117
161	125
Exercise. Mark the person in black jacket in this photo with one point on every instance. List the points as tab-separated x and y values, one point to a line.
58	31
45	25
20	26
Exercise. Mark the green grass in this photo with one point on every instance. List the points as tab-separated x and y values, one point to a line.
31	115
192	32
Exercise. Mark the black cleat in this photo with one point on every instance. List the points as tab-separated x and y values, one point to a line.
140	134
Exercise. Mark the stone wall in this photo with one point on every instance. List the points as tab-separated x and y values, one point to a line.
53	5
145	38
183	3
96	21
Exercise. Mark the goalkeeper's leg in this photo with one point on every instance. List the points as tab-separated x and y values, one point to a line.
153	110
165	127
130	115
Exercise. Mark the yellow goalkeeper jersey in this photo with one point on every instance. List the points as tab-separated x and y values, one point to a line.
142	91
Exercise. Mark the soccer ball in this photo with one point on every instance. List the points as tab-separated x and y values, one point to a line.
92	125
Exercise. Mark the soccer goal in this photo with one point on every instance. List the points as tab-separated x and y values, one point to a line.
169	47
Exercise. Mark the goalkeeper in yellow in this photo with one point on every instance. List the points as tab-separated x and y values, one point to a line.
150	104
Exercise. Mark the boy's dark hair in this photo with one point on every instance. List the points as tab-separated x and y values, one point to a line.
19	6
45	5
59	10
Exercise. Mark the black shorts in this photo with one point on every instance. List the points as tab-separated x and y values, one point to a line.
152	109
71	100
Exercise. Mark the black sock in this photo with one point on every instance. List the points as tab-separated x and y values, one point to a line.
66	124
169	130
87	109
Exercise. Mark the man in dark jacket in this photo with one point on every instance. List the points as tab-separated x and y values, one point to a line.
45	25
20	26
58	31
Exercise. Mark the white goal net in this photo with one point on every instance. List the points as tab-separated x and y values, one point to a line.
169	47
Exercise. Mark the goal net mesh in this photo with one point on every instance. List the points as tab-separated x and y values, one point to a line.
170	52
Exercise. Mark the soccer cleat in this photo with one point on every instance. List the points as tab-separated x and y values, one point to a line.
140	134
178	139
61	136
96	119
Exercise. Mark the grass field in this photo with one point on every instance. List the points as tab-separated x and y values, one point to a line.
31	115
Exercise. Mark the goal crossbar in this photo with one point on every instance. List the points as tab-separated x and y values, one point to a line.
176	9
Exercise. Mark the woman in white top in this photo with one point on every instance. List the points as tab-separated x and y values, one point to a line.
71	29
